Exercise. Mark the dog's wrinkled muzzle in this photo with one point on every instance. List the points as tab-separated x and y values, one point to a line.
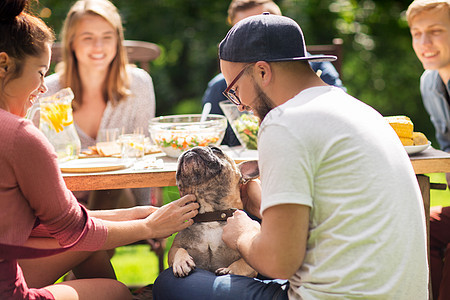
199	164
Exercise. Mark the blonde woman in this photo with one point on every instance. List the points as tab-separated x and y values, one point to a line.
109	93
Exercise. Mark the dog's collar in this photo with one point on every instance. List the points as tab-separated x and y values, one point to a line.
218	215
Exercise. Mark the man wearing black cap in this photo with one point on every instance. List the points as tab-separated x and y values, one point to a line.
333	176
238	10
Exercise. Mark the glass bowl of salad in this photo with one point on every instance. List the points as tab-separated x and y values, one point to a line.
178	133
245	124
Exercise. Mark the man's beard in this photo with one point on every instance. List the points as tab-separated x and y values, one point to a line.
263	103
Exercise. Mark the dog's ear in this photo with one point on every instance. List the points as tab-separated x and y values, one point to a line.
249	170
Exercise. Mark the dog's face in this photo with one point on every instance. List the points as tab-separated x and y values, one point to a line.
212	176
215	180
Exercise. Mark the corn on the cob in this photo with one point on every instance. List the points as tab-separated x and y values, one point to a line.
419	138
394	118
402	126
406	141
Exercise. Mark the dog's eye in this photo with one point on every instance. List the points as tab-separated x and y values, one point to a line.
216	149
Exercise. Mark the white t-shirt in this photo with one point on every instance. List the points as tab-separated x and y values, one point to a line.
335	154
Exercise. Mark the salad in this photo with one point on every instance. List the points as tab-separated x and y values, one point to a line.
173	144
177	133
247	126
181	142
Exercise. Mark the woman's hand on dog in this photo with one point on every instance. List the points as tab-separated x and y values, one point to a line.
172	217
239	229
251	197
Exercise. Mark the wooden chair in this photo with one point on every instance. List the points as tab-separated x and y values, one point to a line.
142	53
331	49
139	52
438	186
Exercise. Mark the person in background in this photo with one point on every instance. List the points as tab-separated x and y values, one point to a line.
109	93
238	10
429	22
44	230
333	177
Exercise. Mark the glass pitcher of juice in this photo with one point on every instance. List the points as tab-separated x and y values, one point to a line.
56	122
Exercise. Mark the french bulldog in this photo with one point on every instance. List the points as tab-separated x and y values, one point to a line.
214	178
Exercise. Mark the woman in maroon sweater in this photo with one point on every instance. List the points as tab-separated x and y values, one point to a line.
44	231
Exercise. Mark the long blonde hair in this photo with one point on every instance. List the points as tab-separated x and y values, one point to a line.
117	83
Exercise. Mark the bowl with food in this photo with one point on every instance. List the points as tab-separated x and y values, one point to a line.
245	124
413	141
177	133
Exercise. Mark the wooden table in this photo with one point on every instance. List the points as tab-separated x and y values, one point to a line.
129	178
426	162
126	178
429	161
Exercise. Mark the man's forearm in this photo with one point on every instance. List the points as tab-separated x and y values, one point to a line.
277	248
249	248
263	258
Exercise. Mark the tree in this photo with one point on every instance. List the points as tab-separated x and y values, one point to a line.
379	65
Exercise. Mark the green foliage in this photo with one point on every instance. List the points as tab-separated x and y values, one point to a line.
379	64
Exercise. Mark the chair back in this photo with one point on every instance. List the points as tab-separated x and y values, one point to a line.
139	52
331	49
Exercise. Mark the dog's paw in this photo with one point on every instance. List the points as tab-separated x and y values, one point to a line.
183	266
240	267
223	271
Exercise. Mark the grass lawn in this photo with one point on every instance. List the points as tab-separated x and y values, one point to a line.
137	266
439	197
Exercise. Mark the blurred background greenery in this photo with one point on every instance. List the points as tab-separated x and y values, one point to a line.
379	65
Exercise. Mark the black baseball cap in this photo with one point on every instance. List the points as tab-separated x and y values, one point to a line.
268	38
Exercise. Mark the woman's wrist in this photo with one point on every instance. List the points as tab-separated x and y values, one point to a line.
142	212
123	214
125	232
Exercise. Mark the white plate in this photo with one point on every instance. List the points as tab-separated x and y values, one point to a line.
417	149
95	164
